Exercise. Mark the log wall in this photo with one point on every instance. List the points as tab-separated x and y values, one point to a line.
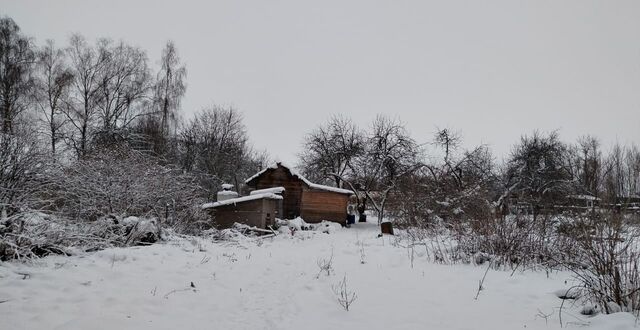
324	205
292	195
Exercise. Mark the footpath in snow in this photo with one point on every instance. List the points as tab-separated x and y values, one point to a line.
274	284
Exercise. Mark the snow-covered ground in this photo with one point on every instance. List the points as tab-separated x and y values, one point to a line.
274	285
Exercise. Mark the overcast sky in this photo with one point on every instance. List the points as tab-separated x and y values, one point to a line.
493	70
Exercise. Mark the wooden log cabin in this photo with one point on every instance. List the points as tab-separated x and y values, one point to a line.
313	202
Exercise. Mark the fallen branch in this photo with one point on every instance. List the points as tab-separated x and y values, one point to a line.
166	296
275	233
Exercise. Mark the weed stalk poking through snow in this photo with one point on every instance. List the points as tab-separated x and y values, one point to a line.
345	297
325	265
481	282
362	253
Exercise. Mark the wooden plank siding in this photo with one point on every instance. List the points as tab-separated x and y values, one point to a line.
292	195
259	213
308	201
323	205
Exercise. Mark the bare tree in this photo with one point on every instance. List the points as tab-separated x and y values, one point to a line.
87	65
52	86
123	85
215	143
159	129
458	187
19	160
538	173
330	149
590	159
371	165
169	87
16	65
615	173
621	174
390	154
449	141
633	170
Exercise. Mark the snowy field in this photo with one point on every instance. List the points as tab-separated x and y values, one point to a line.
274	285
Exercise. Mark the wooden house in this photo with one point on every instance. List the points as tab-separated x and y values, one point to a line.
313	202
257	210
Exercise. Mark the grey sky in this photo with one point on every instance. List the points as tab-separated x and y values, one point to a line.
491	69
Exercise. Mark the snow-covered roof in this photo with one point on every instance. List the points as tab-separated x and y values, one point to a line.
274	190
241	200
272	167
327	188
302	178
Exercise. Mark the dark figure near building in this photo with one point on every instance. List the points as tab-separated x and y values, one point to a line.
351	215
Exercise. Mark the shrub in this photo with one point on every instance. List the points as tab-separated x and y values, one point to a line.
607	262
29	235
123	182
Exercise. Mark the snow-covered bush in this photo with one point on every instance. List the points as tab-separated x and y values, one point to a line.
601	249
325	265
294	224
141	231
607	262
112	197
20	159
125	182
509	240
518	241
514	242
33	234
327	227
457	189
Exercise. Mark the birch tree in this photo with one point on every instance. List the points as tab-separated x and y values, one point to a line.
16	65
53	82
170	87
160	127
124	82
86	66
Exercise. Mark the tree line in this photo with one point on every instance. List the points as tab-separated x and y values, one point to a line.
438	179
88	112
77	120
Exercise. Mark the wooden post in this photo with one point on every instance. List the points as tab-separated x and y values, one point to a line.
386	228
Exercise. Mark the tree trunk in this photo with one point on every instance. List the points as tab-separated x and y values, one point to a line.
6	119
386	228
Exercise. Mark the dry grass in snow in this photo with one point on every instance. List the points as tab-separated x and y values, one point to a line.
277	284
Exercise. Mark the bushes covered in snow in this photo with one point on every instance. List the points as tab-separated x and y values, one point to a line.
20	159
601	249
94	203
33	234
124	182
298	223
606	262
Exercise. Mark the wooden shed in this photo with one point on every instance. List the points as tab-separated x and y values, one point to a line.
313	202
257	210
